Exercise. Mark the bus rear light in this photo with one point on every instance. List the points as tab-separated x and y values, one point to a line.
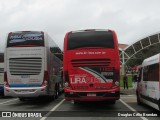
66	85
6	84
44	83
45	79
117	83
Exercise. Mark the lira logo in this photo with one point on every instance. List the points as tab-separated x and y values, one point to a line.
79	80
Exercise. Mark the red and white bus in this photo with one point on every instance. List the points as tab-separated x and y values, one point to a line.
91	65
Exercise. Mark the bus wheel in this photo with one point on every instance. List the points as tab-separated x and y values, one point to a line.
159	104
22	99
51	98
138	99
111	102
75	102
56	91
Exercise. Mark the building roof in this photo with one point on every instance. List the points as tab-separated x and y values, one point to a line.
122	46
143	48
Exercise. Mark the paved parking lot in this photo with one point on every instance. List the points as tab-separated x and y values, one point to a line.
66	110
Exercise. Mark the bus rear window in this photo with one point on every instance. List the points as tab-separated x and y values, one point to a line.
90	39
25	39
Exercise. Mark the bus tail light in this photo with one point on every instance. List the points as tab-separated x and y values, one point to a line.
116	83
45	79
6	84
66	84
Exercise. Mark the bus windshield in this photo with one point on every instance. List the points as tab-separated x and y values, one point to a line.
90	39
25	39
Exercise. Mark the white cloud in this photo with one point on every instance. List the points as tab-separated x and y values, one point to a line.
130	19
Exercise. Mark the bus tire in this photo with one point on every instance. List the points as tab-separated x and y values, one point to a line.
48	98
22	99
75	101
51	98
112	102
159	104
138	99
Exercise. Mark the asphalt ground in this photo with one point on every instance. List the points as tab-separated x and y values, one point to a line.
60	109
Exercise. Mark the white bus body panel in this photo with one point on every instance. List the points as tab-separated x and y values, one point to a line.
150	90
1	76
25	85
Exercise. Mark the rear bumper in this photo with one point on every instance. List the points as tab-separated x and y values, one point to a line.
25	91
100	96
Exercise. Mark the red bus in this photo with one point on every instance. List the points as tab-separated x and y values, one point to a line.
91	66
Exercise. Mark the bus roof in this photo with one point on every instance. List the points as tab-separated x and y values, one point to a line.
151	60
76	31
24	31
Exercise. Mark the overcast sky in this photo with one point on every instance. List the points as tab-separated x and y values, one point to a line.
131	19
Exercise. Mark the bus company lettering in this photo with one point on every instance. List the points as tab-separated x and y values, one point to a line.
32	38
91	53
15	38
81	80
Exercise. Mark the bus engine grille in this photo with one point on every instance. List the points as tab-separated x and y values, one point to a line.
90	62
25	66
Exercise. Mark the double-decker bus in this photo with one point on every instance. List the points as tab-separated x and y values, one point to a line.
148	85
91	66
1	73
32	65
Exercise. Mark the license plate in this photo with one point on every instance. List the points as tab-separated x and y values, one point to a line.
25	76
91	94
23	91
